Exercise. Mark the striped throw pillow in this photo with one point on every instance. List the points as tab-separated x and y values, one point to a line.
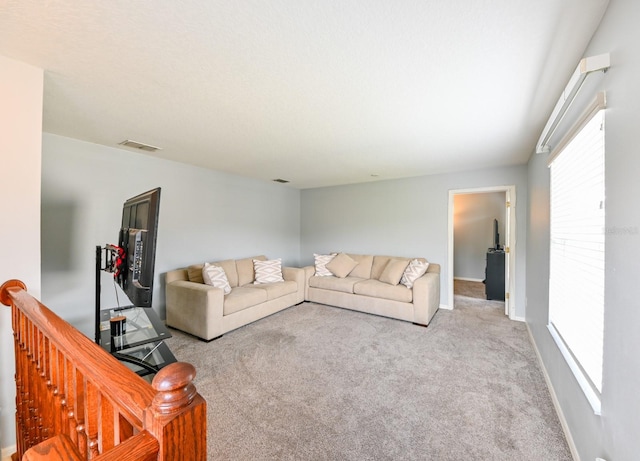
414	271
216	276
321	262
269	271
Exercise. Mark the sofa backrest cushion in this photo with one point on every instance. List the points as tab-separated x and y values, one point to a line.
229	266
393	271
194	272
363	269
379	263
245	270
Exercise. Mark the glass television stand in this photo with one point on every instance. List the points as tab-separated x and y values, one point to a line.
141	345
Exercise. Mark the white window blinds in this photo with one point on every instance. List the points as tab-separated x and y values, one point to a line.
576	283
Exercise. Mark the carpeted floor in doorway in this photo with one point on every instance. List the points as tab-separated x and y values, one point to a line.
469	289
315	382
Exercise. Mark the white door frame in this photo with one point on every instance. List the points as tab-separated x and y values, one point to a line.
510	243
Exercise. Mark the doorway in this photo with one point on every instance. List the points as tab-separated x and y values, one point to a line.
481	222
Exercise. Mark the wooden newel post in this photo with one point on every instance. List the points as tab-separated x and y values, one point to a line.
174	387
177	409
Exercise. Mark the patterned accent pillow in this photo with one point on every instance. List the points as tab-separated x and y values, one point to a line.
414	271
268	271
216	276
321	261
341	265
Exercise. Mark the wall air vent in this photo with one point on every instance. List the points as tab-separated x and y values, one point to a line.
281	181
139	146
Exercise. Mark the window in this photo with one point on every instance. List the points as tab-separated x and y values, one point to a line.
577	249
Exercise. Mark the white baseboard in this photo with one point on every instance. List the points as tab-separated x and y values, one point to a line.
556	402
7	452
445	306
518	319
468	279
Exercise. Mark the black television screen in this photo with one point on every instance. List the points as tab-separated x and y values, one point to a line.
496	235
137	238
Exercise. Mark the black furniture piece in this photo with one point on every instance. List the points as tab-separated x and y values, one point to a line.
494	275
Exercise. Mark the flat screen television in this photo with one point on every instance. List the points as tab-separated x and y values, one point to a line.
137	240
496	236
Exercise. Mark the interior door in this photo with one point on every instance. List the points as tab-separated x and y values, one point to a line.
507	250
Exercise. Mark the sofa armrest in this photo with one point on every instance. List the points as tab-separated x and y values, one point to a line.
309	271
195	308
426	297
295	274
178	274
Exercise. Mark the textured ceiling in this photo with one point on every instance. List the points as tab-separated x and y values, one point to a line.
319	93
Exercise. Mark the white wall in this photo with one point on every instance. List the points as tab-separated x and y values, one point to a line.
406	217
204	216
614	435
20	144
473	217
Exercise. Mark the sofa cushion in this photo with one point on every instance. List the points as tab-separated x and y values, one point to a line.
363	269
194	272
379	263
215	276
269	271
393	271
341	265
229	266
378	289
321	262
416	269
276	290
241	298
245	270
344	285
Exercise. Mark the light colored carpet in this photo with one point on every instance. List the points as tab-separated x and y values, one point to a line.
315	382
469	289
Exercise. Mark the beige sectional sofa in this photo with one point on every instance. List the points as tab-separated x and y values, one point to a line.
371	287
206	312
371	284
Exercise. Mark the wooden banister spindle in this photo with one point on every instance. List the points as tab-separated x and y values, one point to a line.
31	377
55	389
47	385
63	416
106	424
78	384
91	418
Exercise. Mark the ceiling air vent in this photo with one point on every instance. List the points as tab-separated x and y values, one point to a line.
139	145
281	181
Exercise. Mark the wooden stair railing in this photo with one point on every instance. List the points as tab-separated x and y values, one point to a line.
74	401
